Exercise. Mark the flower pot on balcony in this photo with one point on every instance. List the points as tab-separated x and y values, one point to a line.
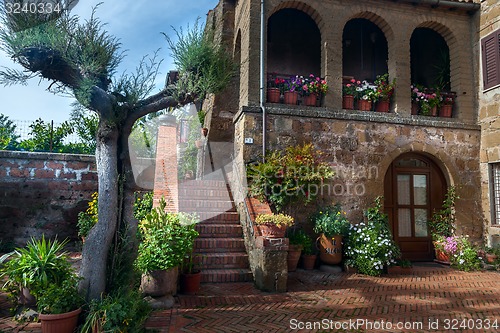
434	111
291	97
273	95
310	100
364	105
348	102
446	110
382	106
414	108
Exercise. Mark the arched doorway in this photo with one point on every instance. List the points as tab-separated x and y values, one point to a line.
414	187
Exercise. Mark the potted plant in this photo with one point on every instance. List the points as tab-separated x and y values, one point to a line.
491	254
295	245
165	239
273	225
313	88
275	87
370	245
309	253
331	222
190	280
292	88
59	306
366	93
348	94
448	99
34	267
442	225
384	92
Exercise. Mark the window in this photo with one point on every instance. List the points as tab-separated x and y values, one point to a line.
495	193
490	49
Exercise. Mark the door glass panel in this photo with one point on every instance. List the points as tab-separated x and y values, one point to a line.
420	189
411	163
421	218
404	222
404	189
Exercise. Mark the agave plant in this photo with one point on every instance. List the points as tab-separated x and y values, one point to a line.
36	266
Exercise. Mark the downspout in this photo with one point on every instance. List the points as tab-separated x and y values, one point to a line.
262	78
469	6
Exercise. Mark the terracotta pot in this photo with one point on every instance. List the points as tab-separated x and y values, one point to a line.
330	249
490	258
273	95
382	106
291	97
309	261
160	283
59	323
190	283
293	257
348	102
204	131
310	100
414	108
446	110
441	256
364	105
272	230
434	111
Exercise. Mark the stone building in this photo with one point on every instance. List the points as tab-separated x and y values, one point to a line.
489	115
409	159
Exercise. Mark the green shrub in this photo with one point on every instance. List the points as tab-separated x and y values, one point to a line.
287	178
165	239
88	218
60	298
277	219
143	204
331	221
370	245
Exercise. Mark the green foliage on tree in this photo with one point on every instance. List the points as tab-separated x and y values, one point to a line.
8	137
46	136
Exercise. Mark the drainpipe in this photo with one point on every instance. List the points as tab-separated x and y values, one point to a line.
469	6
262	79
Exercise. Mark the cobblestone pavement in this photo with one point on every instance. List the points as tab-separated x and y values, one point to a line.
431	299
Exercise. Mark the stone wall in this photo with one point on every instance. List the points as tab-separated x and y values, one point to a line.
361	146
489	117
42	193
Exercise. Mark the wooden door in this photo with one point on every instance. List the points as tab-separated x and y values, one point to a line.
414	189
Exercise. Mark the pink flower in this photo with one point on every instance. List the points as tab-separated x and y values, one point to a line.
358	82
348	85
353	81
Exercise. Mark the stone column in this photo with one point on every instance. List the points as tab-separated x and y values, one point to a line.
166	183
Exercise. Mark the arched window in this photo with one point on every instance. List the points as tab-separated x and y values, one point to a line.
293	43
430	59
364	50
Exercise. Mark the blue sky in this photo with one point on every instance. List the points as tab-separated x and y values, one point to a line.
137	23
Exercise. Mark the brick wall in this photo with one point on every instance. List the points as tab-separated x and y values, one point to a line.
42	193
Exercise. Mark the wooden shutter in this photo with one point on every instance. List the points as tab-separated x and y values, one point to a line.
490	49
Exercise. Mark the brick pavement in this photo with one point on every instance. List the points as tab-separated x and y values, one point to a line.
435	293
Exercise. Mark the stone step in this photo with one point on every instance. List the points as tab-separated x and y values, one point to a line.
197	205
204	193
224	218
203	184
226	275
208	245
219	230
221	260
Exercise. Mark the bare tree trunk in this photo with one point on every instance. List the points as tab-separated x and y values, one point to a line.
97	244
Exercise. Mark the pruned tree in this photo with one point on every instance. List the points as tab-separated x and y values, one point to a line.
80	59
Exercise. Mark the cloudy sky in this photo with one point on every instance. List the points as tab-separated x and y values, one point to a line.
137	23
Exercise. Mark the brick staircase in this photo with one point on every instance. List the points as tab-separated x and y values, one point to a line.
220	248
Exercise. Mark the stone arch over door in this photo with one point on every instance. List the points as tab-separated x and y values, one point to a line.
414	187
